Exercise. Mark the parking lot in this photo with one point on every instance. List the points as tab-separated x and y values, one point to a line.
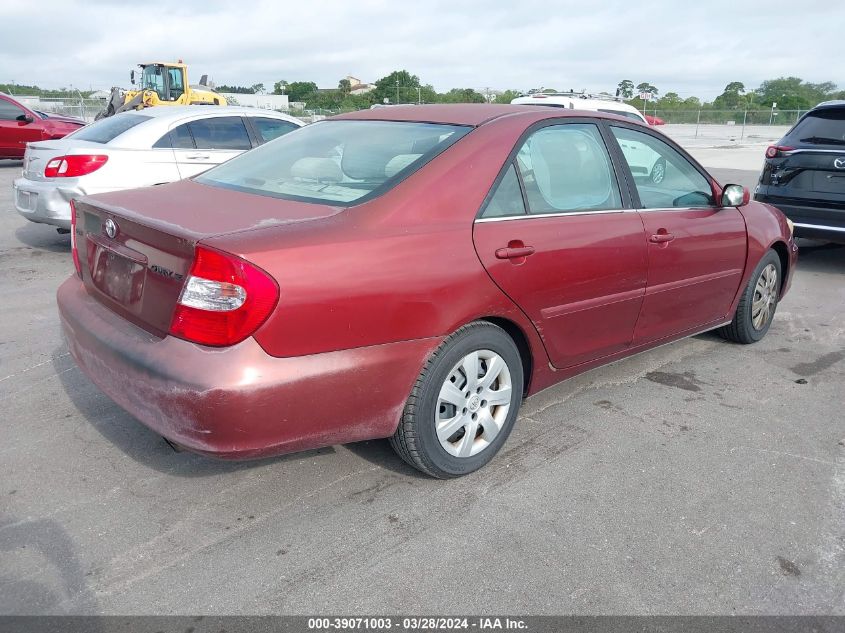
702	477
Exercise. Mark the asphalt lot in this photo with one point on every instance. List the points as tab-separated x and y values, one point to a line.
699	478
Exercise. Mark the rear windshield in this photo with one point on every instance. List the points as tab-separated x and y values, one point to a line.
106	130
823	127
625	113
335	162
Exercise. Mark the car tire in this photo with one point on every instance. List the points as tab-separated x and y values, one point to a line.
757	305
447	403
658	171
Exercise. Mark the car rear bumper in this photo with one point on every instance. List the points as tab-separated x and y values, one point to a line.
815	219
239	402
45	202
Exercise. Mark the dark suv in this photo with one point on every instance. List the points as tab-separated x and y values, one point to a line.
804	174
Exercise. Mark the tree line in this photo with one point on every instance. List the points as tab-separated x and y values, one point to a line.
789	93
400	86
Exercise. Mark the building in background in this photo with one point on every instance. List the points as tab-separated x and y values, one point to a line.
356	87
267	102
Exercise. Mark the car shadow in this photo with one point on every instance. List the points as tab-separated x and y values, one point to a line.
381	454
43	237
142	444
820	257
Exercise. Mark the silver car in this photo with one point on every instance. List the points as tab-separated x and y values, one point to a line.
137	149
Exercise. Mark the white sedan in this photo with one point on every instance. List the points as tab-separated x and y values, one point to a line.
137	149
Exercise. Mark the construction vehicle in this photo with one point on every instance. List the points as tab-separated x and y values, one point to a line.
161	83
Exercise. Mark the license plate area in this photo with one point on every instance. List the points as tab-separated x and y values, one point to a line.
116	271
828	182
26	200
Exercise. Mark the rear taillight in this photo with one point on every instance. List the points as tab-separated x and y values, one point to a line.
73	246
773	151
224	300
74	165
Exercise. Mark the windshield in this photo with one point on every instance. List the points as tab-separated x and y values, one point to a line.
153	79
335	162
823	127
106	130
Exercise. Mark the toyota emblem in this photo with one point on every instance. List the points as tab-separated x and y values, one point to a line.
111	228
839	163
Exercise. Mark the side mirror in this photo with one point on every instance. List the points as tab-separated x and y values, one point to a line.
25	118
735	196
132	77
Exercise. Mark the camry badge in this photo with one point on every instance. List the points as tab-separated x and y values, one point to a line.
839	163
111	228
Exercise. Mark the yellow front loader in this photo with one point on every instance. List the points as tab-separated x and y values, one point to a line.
161	83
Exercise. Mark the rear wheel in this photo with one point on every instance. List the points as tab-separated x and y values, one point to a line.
464	404
757	305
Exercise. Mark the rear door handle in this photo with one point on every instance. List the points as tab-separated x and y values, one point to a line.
198	156
661	238
514	253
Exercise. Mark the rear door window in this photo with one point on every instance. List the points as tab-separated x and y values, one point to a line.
567	169
507	199
268	129
177	138
226	132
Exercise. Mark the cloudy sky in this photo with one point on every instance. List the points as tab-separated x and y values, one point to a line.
690	47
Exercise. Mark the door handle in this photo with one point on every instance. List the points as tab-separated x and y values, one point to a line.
197	156
661	238
514	252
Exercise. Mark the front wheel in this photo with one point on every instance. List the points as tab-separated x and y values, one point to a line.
757	305
464	403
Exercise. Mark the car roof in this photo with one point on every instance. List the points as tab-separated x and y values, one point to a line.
178	112
473	114
158	120
825	105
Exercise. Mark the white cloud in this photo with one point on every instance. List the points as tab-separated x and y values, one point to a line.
692	49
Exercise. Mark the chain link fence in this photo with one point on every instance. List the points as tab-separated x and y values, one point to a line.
696	125
728	117
79	107
703	126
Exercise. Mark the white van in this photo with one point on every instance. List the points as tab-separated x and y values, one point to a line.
644	161
582	101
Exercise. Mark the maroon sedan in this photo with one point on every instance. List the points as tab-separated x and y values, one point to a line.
410	273
19	125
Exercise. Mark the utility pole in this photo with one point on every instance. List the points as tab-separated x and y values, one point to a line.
397	91
419	95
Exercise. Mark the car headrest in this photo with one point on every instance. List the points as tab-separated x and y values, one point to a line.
362	160
398	163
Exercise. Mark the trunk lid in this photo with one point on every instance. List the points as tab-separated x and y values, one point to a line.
136	247
817	173
40	153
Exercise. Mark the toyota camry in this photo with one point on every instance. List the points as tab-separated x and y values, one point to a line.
408	273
